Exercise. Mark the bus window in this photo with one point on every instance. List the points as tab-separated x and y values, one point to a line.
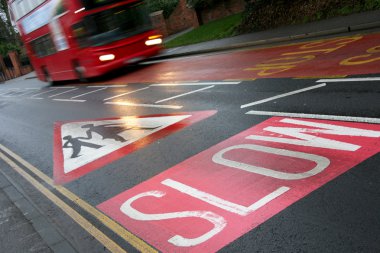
43	46
79	31
111	25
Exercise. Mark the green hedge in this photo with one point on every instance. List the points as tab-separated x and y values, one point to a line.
5	48
167	6
267	14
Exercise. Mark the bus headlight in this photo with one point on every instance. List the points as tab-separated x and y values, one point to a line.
107	57
154	40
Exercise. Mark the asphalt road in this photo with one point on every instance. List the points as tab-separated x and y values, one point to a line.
334	209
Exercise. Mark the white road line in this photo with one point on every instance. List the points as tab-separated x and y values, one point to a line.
108	86
45	92
55	95
9	90
194	84
144	105
70	100
120	95
184	94
283	95
84	94
364	79
317	116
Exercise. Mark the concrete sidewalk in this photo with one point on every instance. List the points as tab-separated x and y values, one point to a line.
338	25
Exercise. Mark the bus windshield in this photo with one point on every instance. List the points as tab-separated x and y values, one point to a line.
111	25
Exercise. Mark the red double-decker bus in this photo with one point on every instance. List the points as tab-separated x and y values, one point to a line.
78	39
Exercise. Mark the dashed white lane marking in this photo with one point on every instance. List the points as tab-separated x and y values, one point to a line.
194	84
144	105
317	116
120	95
283	95
70	100
364	79
45	92
108	86
55	95
49	91
185	94
84	94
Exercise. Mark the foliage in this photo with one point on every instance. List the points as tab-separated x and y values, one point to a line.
167	6
8	33
199	4
5	48
218	29
266	14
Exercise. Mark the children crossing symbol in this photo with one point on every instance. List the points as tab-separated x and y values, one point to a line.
83	146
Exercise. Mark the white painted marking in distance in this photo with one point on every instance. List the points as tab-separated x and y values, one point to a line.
70	100
283	95
55	95
194	84
30	91
317	116
4	94
363	79
84	94
185	94
45	92
109	86
144	105
120	95
174	49
221	203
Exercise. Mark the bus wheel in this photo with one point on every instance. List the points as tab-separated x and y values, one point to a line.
48	78
79	72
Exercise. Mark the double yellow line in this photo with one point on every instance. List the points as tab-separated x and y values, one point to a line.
78	218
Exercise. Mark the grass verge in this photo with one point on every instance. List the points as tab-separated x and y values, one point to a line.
214	30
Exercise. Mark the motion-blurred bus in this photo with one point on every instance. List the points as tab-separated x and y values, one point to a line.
79	39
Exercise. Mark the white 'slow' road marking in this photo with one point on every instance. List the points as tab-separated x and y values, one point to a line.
317	116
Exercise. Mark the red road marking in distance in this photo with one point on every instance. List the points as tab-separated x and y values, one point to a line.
68	168
330	57
211	199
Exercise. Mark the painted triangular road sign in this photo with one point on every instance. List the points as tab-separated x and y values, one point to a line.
83	146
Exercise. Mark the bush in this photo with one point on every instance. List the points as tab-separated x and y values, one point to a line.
167	6
5	48
199	4
267	14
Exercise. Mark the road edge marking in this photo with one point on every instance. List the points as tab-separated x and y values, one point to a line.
133	240
79	219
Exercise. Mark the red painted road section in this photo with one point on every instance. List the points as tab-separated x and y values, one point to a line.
321	58
211	199
60	177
